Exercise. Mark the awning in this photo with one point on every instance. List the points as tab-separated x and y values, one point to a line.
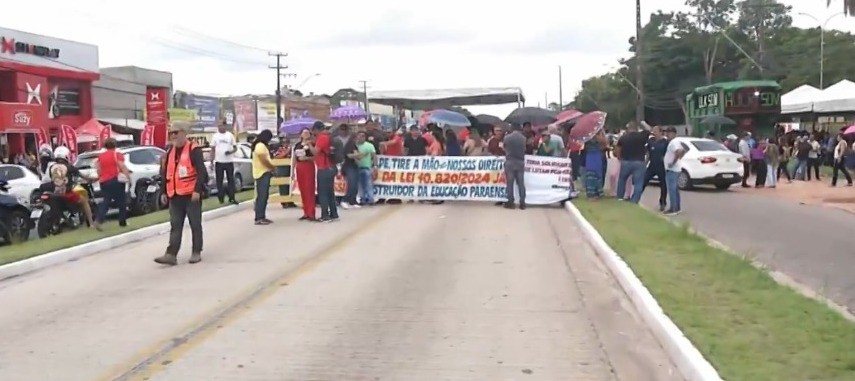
132	124
93	127
445	98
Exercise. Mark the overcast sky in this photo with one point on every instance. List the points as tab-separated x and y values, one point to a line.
394	45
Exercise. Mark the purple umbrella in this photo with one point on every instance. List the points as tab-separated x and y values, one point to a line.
348	113
294	126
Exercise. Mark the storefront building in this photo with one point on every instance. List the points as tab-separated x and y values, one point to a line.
45	83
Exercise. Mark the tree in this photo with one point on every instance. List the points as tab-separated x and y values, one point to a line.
848	6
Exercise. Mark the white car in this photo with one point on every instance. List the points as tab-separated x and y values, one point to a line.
144	164
22	182
708	162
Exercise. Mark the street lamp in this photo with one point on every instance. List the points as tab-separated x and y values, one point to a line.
306	80
822	25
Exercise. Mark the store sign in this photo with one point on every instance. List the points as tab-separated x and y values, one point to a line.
749	100
63	102
22	119
8	45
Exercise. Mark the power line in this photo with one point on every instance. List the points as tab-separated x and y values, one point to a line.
186	31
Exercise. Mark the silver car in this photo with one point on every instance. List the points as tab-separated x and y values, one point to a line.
144	164
243	169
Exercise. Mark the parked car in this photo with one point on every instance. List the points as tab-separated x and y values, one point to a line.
243	169
21	181
144	164
708	162
15	223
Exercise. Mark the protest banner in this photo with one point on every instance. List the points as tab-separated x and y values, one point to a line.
340	184
469	178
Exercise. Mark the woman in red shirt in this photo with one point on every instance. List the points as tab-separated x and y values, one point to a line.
113	177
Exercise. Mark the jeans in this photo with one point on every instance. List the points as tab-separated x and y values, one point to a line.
673	191
813	163
636	170
227	171
351	176
366	185
262	193
515	175
114	191
783	167
746	172
659	172
181	208
759	172
801	169
771	176
326	193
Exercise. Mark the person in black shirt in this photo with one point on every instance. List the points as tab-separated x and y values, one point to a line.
631	149
350	171
415	144
656	147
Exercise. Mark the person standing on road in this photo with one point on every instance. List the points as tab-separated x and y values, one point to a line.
262	172
656	147
814	159
366	161
185	178
515	146
745	150
772	158
785	151
113	177
305	171
496	146
673	154
224	146
758	163
841	150
803	148
324	155
631	150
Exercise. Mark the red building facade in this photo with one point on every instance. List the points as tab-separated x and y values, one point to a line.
47	79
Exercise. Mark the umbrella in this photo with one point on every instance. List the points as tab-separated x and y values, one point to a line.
720	120
533	115
587	126
294	126
451	119
490	119
348	113
849	130
567	116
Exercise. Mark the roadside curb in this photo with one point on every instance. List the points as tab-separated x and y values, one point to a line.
73	253
779	277
686	357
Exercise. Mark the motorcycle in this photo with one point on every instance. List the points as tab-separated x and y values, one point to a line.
148	193
53	214
15	225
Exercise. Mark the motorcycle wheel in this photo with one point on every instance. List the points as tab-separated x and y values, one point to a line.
148	202
19	226
48	224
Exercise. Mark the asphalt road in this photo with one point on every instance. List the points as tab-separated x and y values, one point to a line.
415	292
811	244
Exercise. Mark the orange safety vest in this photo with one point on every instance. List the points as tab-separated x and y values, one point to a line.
176	184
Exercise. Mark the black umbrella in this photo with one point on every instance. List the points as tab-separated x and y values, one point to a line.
718	120
490	119
534	115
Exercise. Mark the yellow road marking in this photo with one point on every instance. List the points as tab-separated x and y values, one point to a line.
155	359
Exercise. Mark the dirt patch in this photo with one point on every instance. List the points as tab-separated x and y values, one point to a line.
811	193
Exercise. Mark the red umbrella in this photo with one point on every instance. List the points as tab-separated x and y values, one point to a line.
587	126
567	115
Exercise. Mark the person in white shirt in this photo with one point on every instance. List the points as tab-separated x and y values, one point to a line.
840	152
673	154
223	147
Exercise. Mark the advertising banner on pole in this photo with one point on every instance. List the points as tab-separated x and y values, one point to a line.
156	107
207	110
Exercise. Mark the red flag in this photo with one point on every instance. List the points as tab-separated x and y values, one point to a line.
41	138
106	133
147	136
69	138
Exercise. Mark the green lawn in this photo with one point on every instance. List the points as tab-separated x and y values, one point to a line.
749	327
34	247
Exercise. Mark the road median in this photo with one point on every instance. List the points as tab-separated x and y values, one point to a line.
37	247
749	327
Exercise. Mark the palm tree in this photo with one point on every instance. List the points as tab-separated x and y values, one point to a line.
848	6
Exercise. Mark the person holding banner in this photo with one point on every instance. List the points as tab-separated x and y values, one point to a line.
305	173
515	146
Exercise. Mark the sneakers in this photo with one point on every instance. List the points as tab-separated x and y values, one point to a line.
346	205
671	212
195	258
167	259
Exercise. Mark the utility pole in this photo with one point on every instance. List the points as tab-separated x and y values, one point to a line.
639	66
279	69
365	94
545	99
560	90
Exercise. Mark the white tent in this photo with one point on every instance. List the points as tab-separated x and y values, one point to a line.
839	97
799	100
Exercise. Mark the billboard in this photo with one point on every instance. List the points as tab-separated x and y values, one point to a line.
207	109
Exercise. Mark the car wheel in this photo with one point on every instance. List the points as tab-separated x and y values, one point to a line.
238	182
722	186
684	181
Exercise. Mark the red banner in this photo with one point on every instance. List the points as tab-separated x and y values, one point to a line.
157	116
41	138
69	139
246	115
105	134
147	136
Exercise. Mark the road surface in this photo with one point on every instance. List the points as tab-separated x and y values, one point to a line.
809	243
460	291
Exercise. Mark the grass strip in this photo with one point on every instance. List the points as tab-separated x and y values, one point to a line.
36	247
748	326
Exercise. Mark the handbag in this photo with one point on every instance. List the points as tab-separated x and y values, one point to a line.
121	177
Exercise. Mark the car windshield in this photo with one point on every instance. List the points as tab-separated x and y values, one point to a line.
708	145
85	161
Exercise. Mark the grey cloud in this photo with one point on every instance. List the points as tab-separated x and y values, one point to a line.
579	39
398	29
